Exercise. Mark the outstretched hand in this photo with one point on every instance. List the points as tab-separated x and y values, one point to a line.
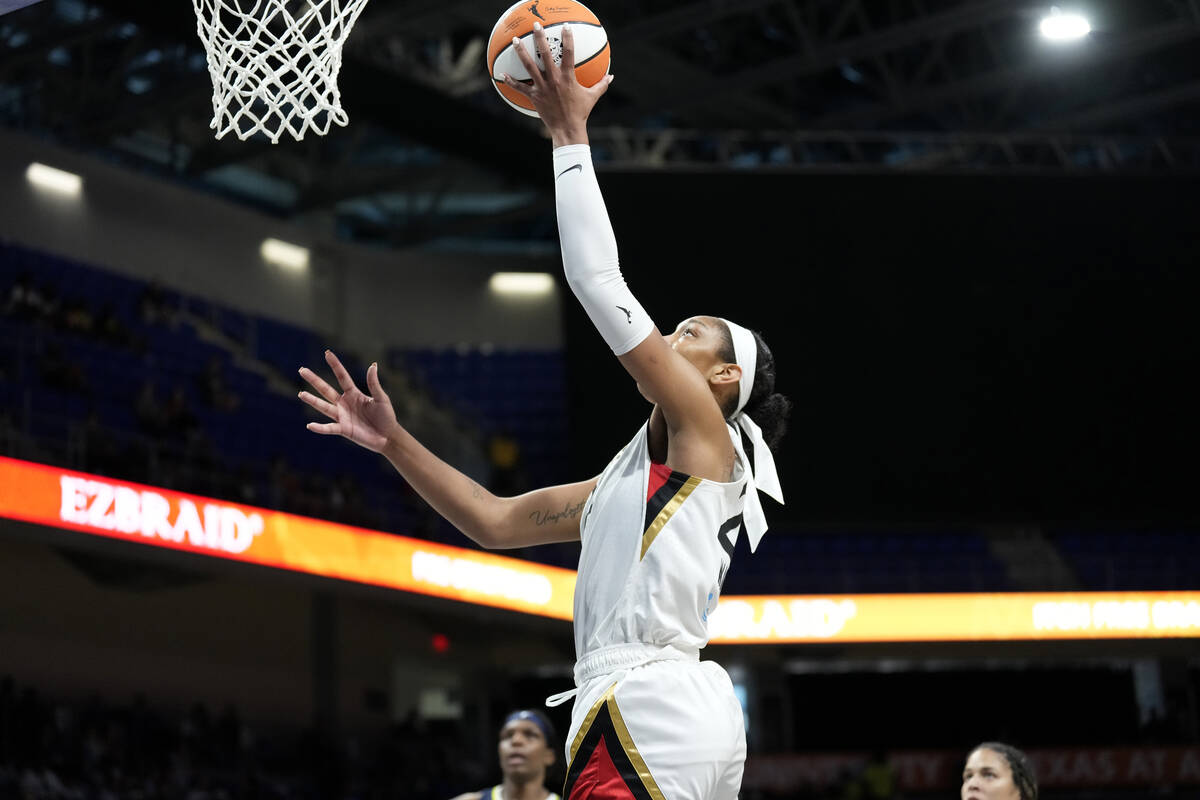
366	420
560	99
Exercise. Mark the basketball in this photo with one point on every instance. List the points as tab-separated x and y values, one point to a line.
592	54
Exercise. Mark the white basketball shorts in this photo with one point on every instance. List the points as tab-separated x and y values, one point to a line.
668	730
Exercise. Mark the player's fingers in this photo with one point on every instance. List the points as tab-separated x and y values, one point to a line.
513	83
318	383
326	408
543	47
601	87
529	63
325	428
567	67
373	385
343	377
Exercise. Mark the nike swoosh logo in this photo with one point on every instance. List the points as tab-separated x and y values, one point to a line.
568	169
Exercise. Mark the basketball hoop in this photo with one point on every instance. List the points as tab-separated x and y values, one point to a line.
274	66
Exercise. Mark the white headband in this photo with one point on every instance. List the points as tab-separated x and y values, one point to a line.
745	352
761	475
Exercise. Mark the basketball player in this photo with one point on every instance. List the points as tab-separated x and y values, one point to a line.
527	751
658	525
996	771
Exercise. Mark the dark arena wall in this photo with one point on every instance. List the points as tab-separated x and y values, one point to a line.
998	348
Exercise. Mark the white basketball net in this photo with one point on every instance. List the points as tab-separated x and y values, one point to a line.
274	65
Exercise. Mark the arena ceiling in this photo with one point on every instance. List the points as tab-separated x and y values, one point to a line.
433	156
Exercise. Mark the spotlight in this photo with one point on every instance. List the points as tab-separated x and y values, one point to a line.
1064	27
54	180
522	284
283	254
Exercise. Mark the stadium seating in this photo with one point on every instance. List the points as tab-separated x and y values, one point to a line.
1123	560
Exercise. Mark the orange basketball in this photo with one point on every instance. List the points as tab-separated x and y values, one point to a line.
591	44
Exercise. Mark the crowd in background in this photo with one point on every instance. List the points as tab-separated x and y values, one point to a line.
168	445
166	435
96	750
51	749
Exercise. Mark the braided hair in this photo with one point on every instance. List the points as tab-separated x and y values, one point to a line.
1022	768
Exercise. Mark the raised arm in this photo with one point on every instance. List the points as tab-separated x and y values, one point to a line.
538	517
592	267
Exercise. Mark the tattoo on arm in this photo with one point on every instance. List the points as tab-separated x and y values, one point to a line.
476	492
549	517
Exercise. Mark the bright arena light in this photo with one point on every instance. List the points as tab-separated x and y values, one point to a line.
283	254
1064	27
523	284
54	180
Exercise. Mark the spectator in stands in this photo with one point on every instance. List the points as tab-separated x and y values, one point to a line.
504	455
77	317
998	771
527	748
100	450
284	483
112	330
355	510
206	472
337	498
180	418
849	785
247	486
149	410
154	306
214	388
879	778
51	311
25	301
59	372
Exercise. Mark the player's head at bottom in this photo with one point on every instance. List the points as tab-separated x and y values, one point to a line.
528	745
998	771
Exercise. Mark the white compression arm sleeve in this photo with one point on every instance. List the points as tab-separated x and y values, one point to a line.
589	252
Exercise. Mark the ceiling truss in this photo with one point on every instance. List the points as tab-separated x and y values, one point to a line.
748	85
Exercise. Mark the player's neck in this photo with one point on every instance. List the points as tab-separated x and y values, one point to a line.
524	790
657	436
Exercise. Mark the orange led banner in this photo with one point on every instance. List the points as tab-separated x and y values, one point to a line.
956	617
100	506
120	510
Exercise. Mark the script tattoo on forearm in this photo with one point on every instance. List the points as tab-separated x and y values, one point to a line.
548	517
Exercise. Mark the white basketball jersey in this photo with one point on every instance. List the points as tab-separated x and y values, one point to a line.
656	548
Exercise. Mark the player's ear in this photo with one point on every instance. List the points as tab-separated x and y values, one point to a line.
726	373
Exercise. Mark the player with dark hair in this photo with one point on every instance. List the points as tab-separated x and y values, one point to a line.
998	771
528	747
658	525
